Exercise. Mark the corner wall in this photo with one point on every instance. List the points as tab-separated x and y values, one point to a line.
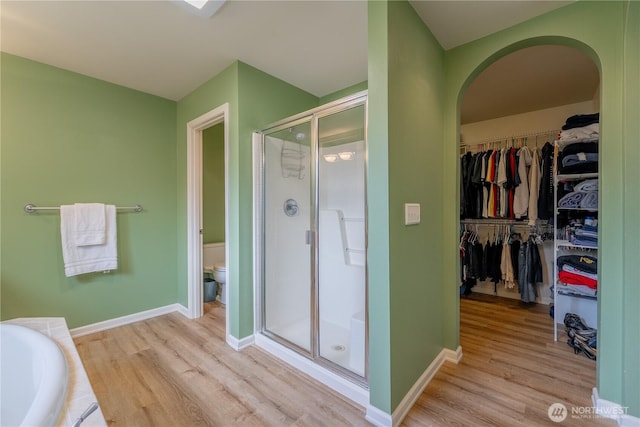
406	94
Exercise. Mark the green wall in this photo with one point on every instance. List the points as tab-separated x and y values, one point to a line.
342	93
213	184
221	89
597	28
416	97
69	138
255	100
631	135
378	208
406	94
263	99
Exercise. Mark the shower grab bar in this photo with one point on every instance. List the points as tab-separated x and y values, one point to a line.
351	219
31	208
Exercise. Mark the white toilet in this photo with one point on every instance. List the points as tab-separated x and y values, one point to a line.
220	276
213	259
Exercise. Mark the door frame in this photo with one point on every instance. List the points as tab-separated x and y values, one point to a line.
195	128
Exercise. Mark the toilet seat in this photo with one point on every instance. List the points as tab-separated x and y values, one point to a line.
220	268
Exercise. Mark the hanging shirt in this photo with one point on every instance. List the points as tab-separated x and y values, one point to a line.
534	187
521	196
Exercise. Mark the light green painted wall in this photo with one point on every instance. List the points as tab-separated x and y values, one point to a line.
255	100
263	99
69	138
378	208
416	99
221	89
406	95
213	184
631	155
342	93
597	29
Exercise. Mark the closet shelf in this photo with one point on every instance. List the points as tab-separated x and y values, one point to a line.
568	245
576	176
577	209
573	295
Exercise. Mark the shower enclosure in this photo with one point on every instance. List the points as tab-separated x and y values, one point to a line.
313	285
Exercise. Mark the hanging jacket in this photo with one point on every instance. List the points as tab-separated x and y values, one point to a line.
534	187
545	197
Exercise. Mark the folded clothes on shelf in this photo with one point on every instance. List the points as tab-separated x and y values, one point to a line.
577	279
590	200
577	289
571	200
576	159
586	263
584	242
580	120
587	185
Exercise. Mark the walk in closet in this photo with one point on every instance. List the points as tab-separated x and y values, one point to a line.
529	185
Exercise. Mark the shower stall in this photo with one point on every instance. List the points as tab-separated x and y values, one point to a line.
312	288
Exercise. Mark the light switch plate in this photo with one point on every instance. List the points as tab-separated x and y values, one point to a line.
411	213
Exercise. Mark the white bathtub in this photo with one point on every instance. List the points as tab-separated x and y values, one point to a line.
34	377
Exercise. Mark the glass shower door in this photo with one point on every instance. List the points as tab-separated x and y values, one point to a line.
287	244
341	246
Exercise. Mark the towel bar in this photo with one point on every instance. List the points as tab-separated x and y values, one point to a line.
31	208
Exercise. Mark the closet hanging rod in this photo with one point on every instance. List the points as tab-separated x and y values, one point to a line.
502	139
498	221
31	208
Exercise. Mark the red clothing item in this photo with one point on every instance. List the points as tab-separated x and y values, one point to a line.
576	279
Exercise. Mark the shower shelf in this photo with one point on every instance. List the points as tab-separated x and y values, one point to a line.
292	161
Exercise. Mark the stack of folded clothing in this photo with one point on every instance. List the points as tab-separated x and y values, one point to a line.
581	196
578	143
578	274
580	128
579	157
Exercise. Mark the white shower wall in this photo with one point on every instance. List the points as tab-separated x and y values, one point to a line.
287	256
342	196
342	284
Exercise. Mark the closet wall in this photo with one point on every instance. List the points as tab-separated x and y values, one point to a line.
514	125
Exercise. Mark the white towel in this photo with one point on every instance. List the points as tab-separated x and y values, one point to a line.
90	224
87	259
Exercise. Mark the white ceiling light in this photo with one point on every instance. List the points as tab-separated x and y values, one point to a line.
346	155
202	8
330	157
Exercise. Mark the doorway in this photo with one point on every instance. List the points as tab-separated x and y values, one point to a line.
195	129
521	102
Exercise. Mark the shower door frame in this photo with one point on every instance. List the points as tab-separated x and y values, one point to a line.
313	116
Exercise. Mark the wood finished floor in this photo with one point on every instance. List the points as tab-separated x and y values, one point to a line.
171	371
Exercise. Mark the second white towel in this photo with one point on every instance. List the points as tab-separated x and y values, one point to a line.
91	258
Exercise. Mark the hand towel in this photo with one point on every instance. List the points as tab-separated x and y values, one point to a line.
92	258
90	224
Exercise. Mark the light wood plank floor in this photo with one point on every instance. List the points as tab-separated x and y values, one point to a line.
171	371
511	371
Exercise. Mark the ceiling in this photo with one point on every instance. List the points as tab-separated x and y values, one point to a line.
320	46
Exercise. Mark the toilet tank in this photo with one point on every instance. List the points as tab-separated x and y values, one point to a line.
212	254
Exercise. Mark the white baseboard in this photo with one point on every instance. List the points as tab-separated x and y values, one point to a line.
380	418
607	409
239	344
337	383
125	320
